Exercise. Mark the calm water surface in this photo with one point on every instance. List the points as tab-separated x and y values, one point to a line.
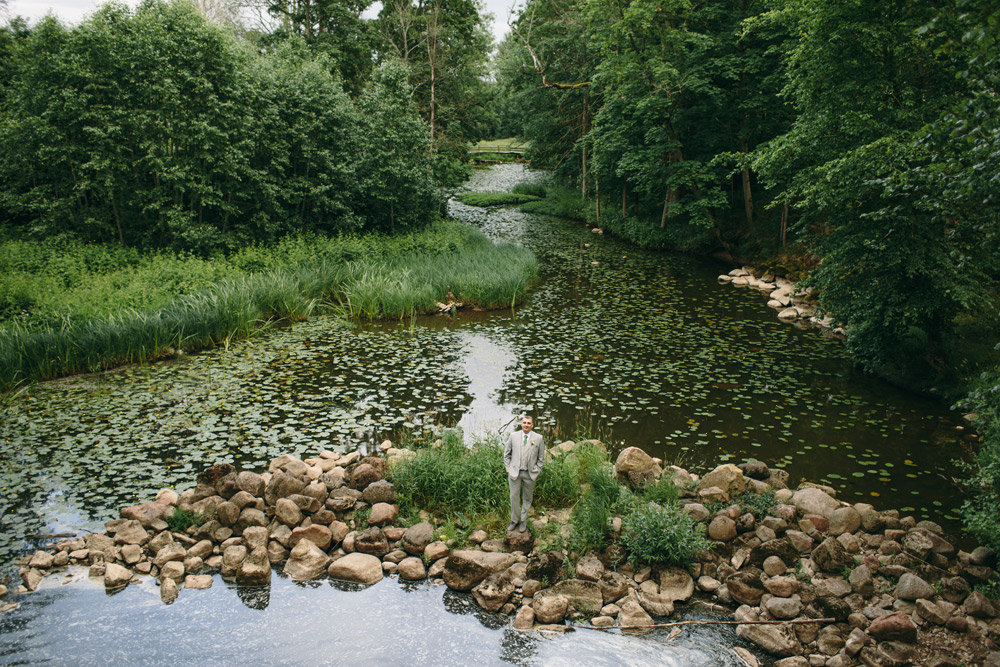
638	348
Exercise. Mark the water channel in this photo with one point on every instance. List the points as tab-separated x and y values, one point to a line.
638	348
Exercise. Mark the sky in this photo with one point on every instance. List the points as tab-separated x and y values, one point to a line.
73	11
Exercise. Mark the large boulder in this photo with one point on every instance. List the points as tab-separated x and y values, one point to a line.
287	512
493	592
894	627
777	640
911	587
518	540
282	486
380	492
412	569
613	586
633	618
129	531
814	501
464	569
676	584
844	520
363	475
548	567
116	576
746	586
147	513
371	541
251	483
549	607
382	514
317	534
584	596
417	537
727	477
636	466
307	561
255	570
356	567
830	556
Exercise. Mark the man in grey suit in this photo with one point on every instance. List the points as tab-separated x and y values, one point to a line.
523	457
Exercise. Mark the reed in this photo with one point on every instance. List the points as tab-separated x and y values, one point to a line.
361	277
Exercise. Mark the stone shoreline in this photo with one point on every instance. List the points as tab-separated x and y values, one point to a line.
894	591
793	306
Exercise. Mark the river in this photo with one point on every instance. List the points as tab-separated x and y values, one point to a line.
635	347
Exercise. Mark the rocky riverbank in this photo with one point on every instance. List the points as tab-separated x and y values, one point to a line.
793	305
810	579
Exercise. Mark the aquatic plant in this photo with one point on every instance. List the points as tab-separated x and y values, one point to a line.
494	198
667	535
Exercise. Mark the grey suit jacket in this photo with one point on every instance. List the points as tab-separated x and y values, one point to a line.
514	452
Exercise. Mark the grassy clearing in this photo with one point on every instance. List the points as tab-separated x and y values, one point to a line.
499	145
91	307
494	198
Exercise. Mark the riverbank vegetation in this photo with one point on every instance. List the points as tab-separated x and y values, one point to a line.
84	307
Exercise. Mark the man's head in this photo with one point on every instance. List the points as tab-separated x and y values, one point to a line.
527	423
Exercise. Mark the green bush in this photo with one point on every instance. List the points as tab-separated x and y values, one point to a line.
591	516
561	203
664	535
983	482
180	520
532	189
759	504
662	492
648	234
493	198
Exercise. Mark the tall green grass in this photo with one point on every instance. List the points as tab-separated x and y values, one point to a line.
361	277
485	199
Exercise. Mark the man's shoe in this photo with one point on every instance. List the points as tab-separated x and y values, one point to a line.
523	526
511	526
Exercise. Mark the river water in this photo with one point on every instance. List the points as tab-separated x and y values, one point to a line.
635	347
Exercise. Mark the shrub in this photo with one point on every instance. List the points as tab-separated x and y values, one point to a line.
983	483
591	515
666	535
532	189
493	198
759	504
662	492
560	202
180	520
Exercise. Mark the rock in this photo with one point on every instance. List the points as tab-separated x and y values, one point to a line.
584	596
547	567
782	608
745	586
172	570
170	552
317	534
589	568
602	622
129	531
493	592
912	587
168	591
167	497
41	560
436	550
722	529
893	627
382	514
613	586
676	584
516	540
306	561
712	494
371	541
755	470
276	553
255	570
727	477
635	466
549	607
227	514
250	517
232	558
380	492
833	607
525	619
895	653
788	313
983	557
464	569
198	581
251	482
363	475
748	658
634	617
774	566
830	555
280	486
782	587
131	554
656	604
478	536
412	569
844	520
255	537
778	640
832	586
861	580
417	537
978	605
287	512
813	501
148	513
929	611
697	511
356	567
116	576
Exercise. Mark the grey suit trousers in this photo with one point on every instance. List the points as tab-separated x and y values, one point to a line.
522	489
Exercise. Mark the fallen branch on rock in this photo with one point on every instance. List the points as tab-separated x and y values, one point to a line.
798	621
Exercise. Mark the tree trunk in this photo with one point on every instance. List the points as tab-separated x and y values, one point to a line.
747	192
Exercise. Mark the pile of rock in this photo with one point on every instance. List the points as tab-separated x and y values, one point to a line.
793	305
298	515
894	590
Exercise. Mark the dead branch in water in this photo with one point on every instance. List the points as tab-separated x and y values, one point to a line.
798	621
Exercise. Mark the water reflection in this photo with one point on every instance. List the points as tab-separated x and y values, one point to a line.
486	363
